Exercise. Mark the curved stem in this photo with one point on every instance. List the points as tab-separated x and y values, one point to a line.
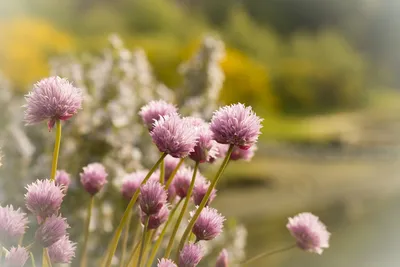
133	253
125	216
125	240
32	259
56	151
143	243
46	258
185	204
162	171
205	199
87	232
171	177
161	236
266	254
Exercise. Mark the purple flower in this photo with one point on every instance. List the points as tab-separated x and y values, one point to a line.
203	149
209	224
174	136
12	224
132	182
170	164
51	230
17	257
62	251
93	177
52	99
181	181
200	190
236	125
166	263
190	255
157	219
244	154
63	179
220	151
310	233
44	198
152	197
154	110
222	260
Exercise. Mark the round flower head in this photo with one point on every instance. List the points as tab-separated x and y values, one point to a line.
62	251
209	224
204	146
152	197
222	260
310	233
181	181
93	177
12	224
157	219
51	230
170	165
52	99
236	125
190	255
44	198
154	110
17	257
132	182
166	263
174	136
244	154
63	178
200	190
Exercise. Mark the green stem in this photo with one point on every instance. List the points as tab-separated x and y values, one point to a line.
171	177
267	253
125	216
185	204
87	232
150	238
32	259
46	258
162	171
161	236
143	244
56	150
125	240
133	252
205	199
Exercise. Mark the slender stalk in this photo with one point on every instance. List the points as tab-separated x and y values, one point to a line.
32	259
133	253
125	216
171	177
149	240
205	199
143	244
266	254
162	172
161	236
46	259
125	240
87	232
185	204
56	151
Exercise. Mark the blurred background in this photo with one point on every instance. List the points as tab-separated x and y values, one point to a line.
324	75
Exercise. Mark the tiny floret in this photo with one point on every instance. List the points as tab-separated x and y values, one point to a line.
310	233
154	110
222	260
236	125
209	224
62	251
16	257
63	179
44	198
152	197
166	263
51	230
93	177
52	99
190	255
12	224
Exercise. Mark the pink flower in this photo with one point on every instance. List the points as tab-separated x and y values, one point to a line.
93	177
200	190
166	263
220	151
204	146
63	179
17	257
154	110
156	220
244	154
12	224
181	181
310	233
222	260
174	136
236	125
190	255
62	251
209	224
152	197
51	230
52	99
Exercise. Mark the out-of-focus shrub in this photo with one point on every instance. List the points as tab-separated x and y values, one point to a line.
25	47
319	73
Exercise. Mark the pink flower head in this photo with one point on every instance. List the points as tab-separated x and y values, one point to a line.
236	125
166	263
63	179
200	190
244	154
181	181
93	177
62	251
190	255
51	230
222	260
203	149
174	136
157	219
132	182
154	110
44	198
170	164
310	233
220	151
209	224
52	99
152	197
12	224
17	257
